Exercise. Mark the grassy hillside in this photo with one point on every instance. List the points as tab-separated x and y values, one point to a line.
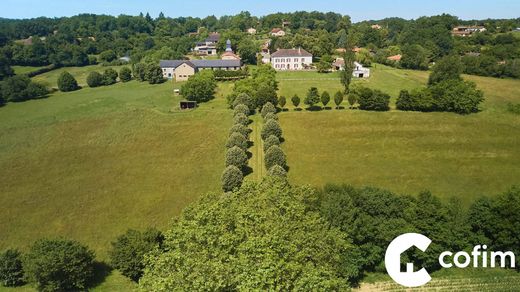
90	164
50	79
407	152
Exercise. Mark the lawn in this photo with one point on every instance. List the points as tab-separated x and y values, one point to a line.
406	152
89	164
50	79
25	69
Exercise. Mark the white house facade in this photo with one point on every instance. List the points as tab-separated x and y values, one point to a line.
291	59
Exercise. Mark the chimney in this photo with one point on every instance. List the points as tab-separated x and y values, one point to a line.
299	50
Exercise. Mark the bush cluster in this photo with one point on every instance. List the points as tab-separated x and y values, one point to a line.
67	82
446	91
148	72
372	100
52	265
109	77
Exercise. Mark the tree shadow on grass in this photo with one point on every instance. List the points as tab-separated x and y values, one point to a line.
249	154
247	170
101	272
298	109
314	108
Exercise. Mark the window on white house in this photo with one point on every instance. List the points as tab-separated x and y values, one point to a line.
303	60
295	65
295	59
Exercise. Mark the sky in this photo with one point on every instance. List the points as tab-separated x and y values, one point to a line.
358	10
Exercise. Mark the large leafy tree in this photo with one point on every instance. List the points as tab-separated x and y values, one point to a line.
261	236
200	87
447	68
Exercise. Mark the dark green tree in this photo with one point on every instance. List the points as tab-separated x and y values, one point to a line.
200	87
271	127
110	76
11	270
94	79
338	98
373	100
125	74
237	157
446	68
313	97
267	108
232	178
128	251
295	101
67	82
59	265
275	156
270	212
139	71
282	102
325	98
154	74
238	140
271	141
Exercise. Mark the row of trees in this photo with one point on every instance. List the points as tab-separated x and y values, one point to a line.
274	158
260	88
20	88
446	91
237	145
373	217
270	225
67	265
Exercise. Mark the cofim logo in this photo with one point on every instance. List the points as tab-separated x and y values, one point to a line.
447	259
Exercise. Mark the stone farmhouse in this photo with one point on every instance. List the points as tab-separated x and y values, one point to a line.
277	32
209	46
181	70
291	59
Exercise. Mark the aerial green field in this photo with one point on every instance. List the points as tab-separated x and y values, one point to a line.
406	152
90	164
50	79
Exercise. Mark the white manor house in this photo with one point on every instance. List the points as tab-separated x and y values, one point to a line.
291	59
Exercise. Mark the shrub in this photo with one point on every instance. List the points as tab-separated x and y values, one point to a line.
21	88
461	97
268	108
11	270
232	178
271	127
271	116
417	100
128	251
241	109
274	156
125	74
107	56
271	141
513	108
241	129
241	119
59	265
154	74
295	100
282	101
109	76
66	82
200	87
313	97
325	98
237	157
139	71
338	98
277	171
446	68
352	99
238	140
373	100
245	100
94	79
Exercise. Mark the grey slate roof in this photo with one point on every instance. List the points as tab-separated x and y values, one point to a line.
291	53
201	63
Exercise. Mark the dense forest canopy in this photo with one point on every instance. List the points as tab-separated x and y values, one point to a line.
88	39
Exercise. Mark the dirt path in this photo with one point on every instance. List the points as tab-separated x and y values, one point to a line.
256	162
